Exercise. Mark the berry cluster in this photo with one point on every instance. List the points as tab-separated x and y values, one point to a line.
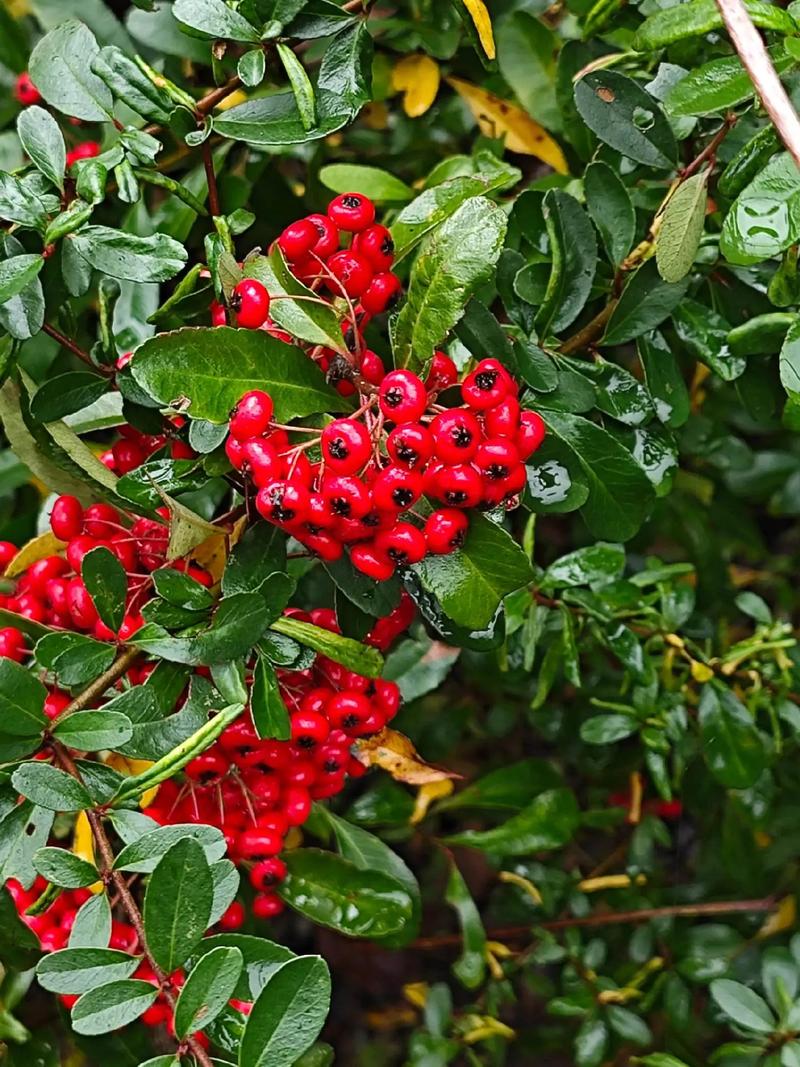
255	791
25	92
362	489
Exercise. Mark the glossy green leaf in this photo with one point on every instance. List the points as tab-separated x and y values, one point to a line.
732	746
301	85
706	335
209	986
215	18
470	582
548	822
363	659
609	204
92	925
573	247
288	1014
645	302
22	698
60	66
17	273
334	892
156	258
77	970
144	851
470	968
66	394
307	317
270	714
177	904
195	364
112	1005
455	261
699	17
765	217
74	658
43	142
743	1005
664	379
681	228
377	184
50	788
626	117
92	731
507	788
718	85
107	583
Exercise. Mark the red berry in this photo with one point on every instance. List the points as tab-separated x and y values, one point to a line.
101	520
259	844
267	874
503	419
376	245
66	518
486	386
443	372
127	456
456	435
372	368
531	433
40	573
250	301
397	489
445	530
84	150
25	91
403	397
460	486
8	551
267	905
54	704
410	445
297	805
234	917
298	239
251	416
309	728
81	605
327	237
283	502
382	293
404	544
346	445
371	561
351	273
77	549
12	644
262	460
234	450
219	316
352	212
347	497
496	458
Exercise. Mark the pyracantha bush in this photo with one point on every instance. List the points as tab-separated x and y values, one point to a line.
397	533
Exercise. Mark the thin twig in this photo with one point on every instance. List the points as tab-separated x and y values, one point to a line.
211	180
75	349
747	42
590	332
717	907
710	150
94	691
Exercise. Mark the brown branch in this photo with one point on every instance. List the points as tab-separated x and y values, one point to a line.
710	150
211	180
75	349
117	879
747	42
94	691
590	332
717	907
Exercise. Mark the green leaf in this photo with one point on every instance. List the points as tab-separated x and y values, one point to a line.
470	968
270	714
215	18
645	302
435	205
143	853
363	659
789	360
19	202
17	273
112	1006
732	746
262	959
597	564
129	83
92	925
681	228
74	971
609	204
334	892
456	260
718	85
43	142
107	583
259	553
181	590
698	17
526	51
743	1005
620	495
238	623
508	788
308	318
66	394
60	66
607	729
373	182
195	364
252	67
156	258
301	85
288	1014
373	598
92	731
177	904
664	379
76	659
50	788
765	217
22	698
24	829
67	870
208	988
19	945
706	335
147	485
548	822
574	250
626	117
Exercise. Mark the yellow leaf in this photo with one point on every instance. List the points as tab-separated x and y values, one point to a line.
783	918
610	881
83	845
393	752
239	97
701	672
46	544
418	78
416	993
130	767
212	554
426	796
499	118
483	24
525	884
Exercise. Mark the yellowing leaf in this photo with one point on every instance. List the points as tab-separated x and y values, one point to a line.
239	97
483	24
499	118
783	918
426	796
130	768
393	752
46	544
83	845
417	77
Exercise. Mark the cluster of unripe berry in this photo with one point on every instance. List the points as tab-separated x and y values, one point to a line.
373	468
256	790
